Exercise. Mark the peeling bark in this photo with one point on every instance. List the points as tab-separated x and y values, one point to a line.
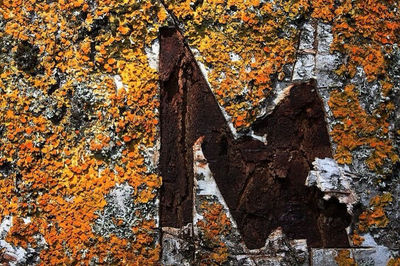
262	184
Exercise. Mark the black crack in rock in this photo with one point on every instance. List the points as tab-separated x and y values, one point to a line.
32	257
57	114
95	28
2	130
97	25
5	169
26	58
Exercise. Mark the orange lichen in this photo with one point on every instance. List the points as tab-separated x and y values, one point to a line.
343	258
239	44
323	9
22	234
365	31
56	141
357	128
375	217
357	239
362	29
394	262
213	227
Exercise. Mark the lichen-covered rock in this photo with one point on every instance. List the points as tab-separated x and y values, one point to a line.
71	138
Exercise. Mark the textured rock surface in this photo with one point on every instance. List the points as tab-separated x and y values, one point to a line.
80	130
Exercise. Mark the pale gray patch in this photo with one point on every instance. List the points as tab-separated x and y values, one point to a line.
152	54
121	206
151	156
334	181
304	67
177	246
234	57
307	37
324	37
362	256
326	64
370	95
5	226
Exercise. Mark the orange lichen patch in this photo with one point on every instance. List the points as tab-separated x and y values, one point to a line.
213	227
63	120
22	234
375	217
357	239
323	9
363	30
357	128
243	44
383	200
343	258
394	262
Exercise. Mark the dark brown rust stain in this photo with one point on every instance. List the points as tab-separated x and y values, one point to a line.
263	185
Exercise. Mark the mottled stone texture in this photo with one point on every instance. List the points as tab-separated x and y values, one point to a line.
263	185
